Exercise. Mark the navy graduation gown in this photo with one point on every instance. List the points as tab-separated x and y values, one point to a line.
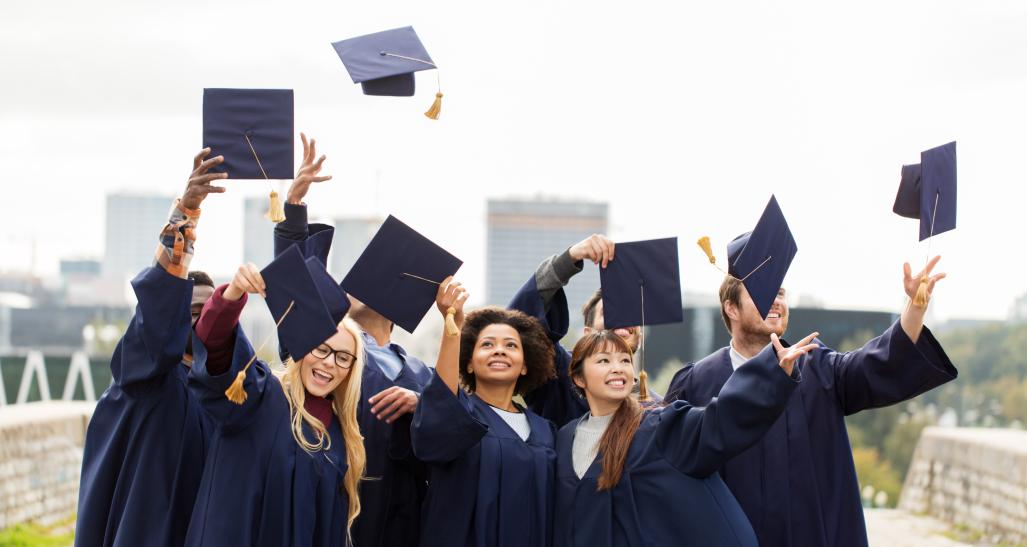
556	400
669	492
145	444
488	487
259	486
391	497
815	499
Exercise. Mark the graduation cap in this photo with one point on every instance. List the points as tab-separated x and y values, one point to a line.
927	191
399	273
384	63
253	130
642	286
334	297
760	258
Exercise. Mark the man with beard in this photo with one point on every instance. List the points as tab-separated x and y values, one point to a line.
798	485
543	298
145	444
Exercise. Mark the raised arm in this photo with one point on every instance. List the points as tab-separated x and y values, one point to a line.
313	239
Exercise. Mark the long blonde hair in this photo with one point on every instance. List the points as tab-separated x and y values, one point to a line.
344	402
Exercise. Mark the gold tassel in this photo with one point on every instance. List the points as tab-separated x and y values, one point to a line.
235	392
436	107
276	212
451	328
704	244
643	386
920	300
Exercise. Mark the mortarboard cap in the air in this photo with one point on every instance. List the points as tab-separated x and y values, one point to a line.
399	273
252	129
384	63
927	191
642	285
760	258
309	321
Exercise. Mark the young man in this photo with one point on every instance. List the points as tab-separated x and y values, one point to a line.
392	382
543	297
145	444
798	485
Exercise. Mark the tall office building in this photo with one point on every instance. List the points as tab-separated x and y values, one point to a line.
258	232
133	222
523	232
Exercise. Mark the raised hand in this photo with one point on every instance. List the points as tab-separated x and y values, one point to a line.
452	295
308	172
911	284
247	280
198	187
786	357
393	402
596	247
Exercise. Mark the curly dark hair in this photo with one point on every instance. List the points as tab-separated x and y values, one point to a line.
539	355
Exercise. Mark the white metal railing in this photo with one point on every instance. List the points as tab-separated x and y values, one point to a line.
35	368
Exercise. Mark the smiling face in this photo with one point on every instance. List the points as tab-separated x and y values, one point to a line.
747	318
498	356
629	334
607	376
321	375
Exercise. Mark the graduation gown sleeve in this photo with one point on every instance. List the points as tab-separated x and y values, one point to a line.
312	239
887	370
697	441
444	427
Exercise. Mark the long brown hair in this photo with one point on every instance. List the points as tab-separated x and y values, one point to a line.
616	440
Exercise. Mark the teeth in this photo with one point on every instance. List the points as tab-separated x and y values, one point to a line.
618	383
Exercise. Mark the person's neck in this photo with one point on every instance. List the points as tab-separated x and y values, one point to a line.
748	344
601	407
377	326
497	395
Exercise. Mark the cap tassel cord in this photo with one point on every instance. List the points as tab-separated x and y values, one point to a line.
643	377
436	107
704	244
236	392
921	298
276	211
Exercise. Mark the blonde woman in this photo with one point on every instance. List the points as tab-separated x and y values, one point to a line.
283	466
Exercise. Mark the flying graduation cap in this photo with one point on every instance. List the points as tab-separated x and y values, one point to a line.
927	191
253	130
384	63
399	273
642	286
760	258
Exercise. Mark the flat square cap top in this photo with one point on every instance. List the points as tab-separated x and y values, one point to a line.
309	322
264	117
398	273
642	285
384	62
761	257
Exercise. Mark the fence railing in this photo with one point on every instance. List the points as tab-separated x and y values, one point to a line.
75	376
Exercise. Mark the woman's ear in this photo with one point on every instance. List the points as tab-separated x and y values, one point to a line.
578	381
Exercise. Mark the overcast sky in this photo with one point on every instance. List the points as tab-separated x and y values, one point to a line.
686	117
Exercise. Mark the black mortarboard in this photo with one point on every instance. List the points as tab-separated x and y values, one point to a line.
399	272
384	63
642	285
927	191
760	258
236	119
309	323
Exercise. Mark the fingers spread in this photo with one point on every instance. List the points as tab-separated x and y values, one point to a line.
199	157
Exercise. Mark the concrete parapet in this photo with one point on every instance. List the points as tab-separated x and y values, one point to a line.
971	477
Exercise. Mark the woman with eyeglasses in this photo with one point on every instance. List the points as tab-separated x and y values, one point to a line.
287	458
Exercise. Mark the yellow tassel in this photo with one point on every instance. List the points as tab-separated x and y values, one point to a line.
276	212
235	392
920	300
704	244
643	386
436	107
451	328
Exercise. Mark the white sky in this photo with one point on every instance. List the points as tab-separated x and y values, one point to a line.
685	116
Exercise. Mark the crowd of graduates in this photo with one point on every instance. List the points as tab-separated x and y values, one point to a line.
355	442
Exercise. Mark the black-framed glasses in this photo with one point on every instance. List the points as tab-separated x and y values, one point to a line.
343	358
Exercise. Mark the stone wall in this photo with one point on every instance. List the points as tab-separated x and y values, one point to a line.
40	460
971	477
